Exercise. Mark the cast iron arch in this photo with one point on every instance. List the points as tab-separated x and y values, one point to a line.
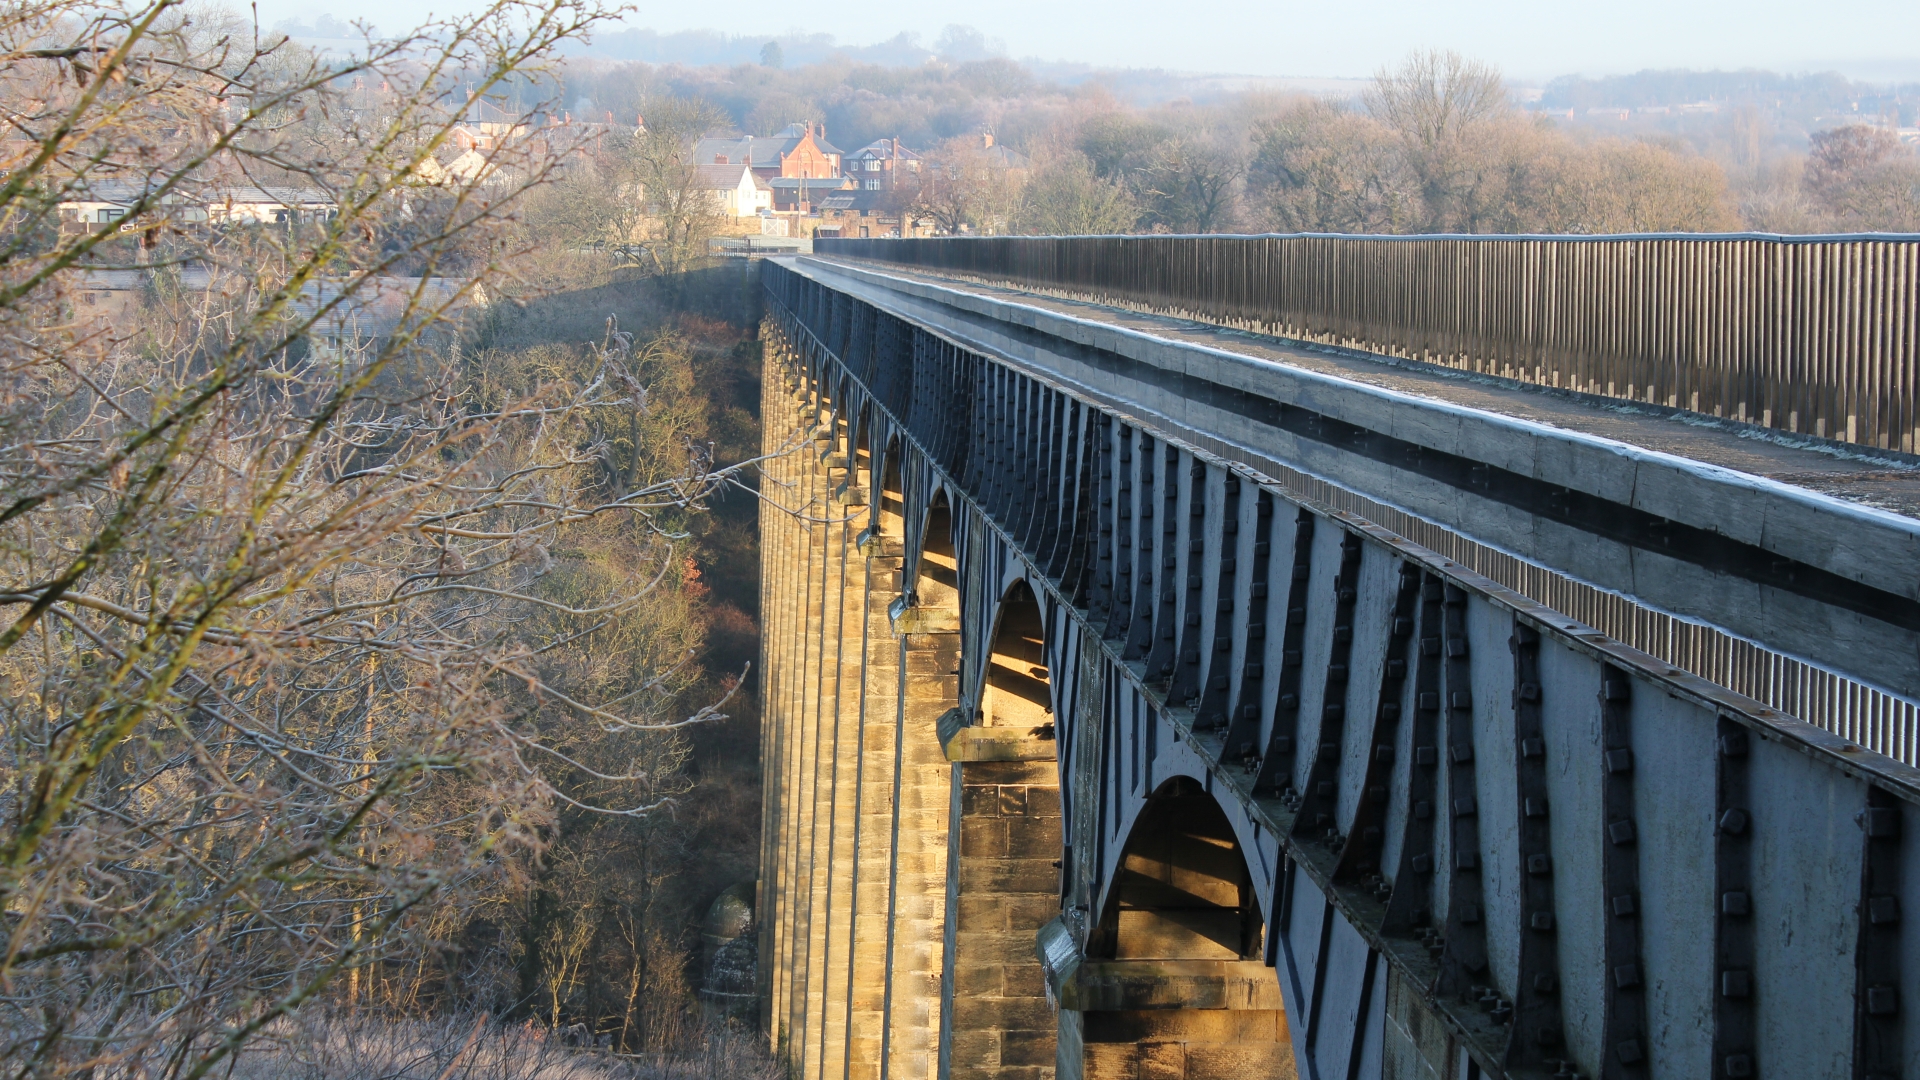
1018	691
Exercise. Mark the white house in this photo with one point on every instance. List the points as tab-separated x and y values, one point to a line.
108	200
739	190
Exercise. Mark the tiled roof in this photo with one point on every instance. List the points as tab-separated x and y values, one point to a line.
884	149
722	177
765	150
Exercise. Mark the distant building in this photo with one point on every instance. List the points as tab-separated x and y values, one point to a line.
802	150
107	201
485	135
109	299
1003	156
870	214
456	166
433	307
879	166
802	195
739	190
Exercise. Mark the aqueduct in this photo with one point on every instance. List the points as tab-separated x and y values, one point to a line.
1159	687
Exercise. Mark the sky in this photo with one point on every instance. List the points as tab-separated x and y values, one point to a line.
1528	39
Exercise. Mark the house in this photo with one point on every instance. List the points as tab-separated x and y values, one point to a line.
108	299
879	166
109	200
1003	156
457	167
871	214
269	205
102	201
739	191
484	135
802	195
802	150
434	308
431	307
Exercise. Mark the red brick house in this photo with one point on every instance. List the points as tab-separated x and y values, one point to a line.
800	151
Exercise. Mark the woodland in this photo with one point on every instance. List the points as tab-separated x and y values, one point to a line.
1436	143
375	703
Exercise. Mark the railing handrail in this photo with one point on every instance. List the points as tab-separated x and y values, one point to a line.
1816	335
1784	238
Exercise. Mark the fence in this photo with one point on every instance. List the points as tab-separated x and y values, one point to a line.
1817	335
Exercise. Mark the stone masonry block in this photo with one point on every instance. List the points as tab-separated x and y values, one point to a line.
1028	1048
979	801
1003	1014
980	912
1013	801
1014	773
1024	1072
1163	1061
1243	1061
975	1047
1029	839
983	839
981	980
927	662
1043	802
1020	875
1029	911
1025	980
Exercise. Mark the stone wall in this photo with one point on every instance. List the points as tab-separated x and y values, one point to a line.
851	906
1006	885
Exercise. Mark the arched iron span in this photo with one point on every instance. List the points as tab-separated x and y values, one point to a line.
1095	748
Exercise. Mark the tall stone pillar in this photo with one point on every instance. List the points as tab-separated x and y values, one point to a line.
1002	886
929	649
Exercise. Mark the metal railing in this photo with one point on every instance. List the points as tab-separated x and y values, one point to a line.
1816	335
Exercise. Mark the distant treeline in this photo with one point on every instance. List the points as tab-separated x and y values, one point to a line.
1823	93
1438	143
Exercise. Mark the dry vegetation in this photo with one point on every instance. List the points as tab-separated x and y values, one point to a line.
328	1045
345	680
1437	145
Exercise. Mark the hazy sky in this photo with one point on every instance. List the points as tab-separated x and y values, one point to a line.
1529	39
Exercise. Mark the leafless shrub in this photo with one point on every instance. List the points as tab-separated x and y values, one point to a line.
279	616
364	1046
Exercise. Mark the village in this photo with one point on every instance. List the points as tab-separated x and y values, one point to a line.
751	194
793	184
797	184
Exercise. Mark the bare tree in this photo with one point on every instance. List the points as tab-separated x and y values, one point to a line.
963	187
1066	198
1193	184
1320	168
637	194
1863	178
659	164
1437	102
275	685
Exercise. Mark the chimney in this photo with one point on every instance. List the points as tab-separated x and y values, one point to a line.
986	140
